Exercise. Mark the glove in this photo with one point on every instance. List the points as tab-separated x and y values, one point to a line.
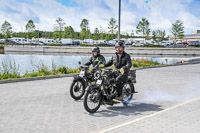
101	65
90	69
122	70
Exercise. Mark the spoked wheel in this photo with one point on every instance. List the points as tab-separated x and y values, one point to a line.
127	94
77	89
92	101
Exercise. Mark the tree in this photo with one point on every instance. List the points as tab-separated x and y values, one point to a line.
177	30
69	32
30	27
84	25
112	26
108	37
76	35
6	29
59	26
96	34
102	33
143	27
159	35
85	32
1	36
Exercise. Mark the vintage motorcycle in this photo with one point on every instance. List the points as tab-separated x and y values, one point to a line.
81	81
105	87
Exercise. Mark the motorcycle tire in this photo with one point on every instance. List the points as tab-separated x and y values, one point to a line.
127	93
92	97
77	89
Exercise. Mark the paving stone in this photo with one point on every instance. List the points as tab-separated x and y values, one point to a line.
45	106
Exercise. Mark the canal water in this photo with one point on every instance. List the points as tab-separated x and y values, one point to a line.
31	62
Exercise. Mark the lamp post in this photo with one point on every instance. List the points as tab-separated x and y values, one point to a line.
119	20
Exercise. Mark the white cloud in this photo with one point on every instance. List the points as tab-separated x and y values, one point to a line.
161	14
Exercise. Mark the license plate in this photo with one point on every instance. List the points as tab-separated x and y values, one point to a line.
99	82
82	73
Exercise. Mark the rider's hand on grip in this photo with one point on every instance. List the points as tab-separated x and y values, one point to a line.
101	65
122	70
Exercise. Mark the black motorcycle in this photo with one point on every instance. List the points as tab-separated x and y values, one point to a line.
81	81
105	87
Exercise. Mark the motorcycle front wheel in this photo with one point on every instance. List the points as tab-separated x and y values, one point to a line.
92	101
77	89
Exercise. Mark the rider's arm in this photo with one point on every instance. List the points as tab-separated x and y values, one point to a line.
109	63
128	63
102	59
89	62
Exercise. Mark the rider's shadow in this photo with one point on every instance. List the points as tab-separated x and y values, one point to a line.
130	109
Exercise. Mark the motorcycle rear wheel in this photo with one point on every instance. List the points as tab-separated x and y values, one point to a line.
127	93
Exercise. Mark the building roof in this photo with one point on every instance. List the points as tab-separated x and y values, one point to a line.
192	36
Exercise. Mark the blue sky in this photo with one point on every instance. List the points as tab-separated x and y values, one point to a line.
160	13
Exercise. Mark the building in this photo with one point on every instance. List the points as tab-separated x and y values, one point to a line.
195	36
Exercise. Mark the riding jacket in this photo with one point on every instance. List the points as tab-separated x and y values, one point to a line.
95	60
119	62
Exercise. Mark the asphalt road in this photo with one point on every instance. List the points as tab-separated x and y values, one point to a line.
165	95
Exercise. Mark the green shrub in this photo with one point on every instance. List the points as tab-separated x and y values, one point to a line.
63	70
1	47
9	70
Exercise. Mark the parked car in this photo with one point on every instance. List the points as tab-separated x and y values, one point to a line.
193	43
138	43
186	43
76	42
128	43
66	41
165	43
2	40
179	42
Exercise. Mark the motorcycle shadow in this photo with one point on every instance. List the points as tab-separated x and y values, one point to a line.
126	110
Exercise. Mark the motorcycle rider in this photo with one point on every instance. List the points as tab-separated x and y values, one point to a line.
96	57
122	61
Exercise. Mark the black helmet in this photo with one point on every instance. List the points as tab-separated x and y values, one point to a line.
118	44
96	49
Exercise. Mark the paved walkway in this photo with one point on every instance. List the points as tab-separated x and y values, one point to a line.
182	118
163	104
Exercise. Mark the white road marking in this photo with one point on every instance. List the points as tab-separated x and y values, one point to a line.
151	115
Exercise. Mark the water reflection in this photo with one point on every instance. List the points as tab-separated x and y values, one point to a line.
29	62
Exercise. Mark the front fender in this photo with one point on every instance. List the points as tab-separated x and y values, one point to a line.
92	87
78	78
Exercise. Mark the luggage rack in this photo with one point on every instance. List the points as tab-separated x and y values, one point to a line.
132	75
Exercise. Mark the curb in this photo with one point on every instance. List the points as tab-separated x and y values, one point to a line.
158	66
72	75
36	78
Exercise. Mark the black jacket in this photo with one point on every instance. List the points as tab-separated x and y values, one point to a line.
95	60
119	62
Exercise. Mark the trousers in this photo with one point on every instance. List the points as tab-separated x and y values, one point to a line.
119	81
